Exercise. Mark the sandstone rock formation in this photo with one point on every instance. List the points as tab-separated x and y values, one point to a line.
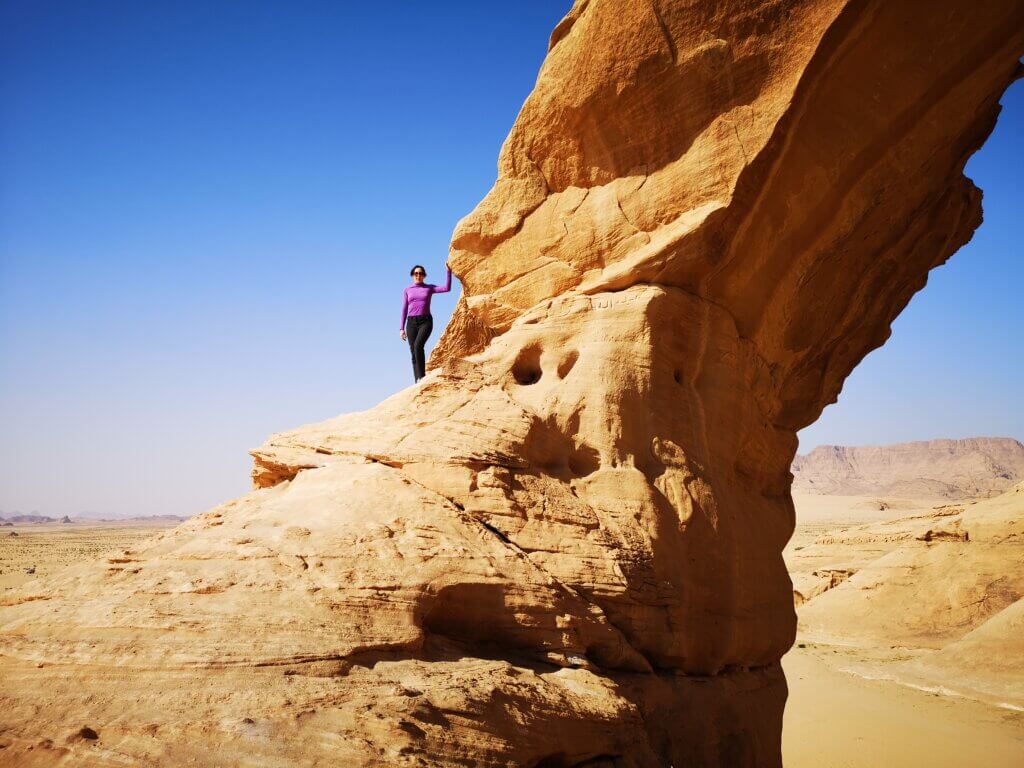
953	469
564	546
986	663
948	585
834	556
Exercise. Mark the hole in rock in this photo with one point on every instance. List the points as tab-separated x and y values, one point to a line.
526	369
470	613
584	460
678	376
554	450
562	760
567	363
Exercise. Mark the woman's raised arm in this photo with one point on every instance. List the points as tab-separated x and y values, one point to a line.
447	284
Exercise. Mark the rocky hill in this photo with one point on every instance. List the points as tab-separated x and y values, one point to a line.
33	518
976	467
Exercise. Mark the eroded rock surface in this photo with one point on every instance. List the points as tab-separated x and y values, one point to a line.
945	587
563	547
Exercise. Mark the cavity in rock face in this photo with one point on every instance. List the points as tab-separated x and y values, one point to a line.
564	546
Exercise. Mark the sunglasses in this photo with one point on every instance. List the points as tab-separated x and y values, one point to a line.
417	272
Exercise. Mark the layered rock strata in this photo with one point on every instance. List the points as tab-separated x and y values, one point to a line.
972	468
563	547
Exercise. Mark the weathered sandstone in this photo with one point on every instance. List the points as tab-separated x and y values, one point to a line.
946	586
563	547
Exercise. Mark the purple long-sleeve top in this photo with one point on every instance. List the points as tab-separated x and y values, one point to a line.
416	299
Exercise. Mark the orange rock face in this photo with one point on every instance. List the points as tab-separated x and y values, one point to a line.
563	547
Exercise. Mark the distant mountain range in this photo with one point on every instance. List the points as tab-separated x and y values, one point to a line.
30	519
36	518
972	468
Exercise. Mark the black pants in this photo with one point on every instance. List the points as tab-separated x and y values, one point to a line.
417	331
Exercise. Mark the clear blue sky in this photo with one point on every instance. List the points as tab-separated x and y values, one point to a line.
208	212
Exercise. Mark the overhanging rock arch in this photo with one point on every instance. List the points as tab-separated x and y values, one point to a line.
564	547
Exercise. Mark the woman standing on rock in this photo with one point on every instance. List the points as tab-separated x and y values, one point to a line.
416	320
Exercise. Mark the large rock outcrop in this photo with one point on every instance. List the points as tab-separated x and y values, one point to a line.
564	546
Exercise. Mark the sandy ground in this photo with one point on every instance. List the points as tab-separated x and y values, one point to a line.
817	515
48	548
837	719
833	719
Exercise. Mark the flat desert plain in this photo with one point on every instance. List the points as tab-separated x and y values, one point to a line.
36	551
842	712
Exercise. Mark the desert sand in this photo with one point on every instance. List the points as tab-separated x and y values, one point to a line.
905	655
49	548
563	547
835	719
941	587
